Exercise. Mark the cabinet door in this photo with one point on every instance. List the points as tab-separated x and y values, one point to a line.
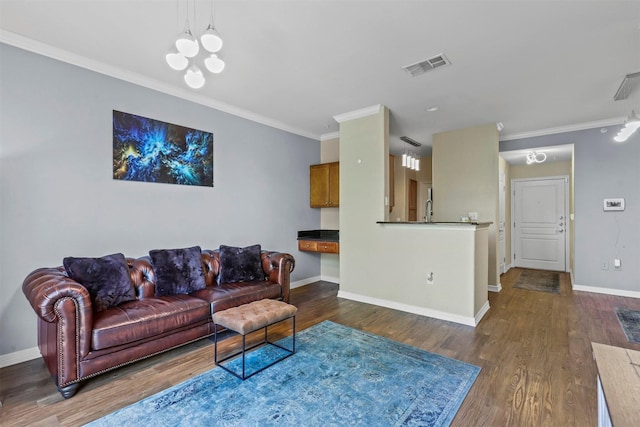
319	185
334	184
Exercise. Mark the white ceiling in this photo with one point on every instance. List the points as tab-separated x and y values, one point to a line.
532	65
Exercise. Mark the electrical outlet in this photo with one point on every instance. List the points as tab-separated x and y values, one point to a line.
617	264
430	279
604	265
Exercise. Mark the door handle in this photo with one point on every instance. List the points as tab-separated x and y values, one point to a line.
560	231
561	224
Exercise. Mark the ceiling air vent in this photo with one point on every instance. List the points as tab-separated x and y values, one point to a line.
628	85
427	65
410	141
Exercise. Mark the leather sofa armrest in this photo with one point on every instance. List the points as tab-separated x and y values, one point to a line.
57	298
278	267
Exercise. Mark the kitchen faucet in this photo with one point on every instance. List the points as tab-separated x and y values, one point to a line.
428	211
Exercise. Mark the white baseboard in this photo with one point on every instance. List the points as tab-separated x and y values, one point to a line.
608	291
313	279
19	356
330	279
303	282
422	311
480	314
495	288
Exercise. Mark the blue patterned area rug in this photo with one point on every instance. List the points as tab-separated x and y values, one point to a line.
339	376
630	322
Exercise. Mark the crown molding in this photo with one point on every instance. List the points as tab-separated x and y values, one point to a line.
564	129
363	112
62	55
328	136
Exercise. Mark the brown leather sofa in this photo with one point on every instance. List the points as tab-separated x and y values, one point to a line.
77	342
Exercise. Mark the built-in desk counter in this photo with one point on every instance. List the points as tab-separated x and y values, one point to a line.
325	241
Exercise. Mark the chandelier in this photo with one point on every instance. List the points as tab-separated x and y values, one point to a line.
184	55
536	157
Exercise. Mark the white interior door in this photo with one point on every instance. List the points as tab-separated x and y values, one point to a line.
540	223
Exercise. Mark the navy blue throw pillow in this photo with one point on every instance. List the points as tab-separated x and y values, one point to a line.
240	264
107	279
178	271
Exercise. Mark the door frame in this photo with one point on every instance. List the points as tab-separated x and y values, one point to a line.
409	196
567	237
502	226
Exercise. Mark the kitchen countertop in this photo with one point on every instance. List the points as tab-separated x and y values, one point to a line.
435	223
320	235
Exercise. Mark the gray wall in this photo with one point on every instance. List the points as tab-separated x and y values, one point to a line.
603	169
58	198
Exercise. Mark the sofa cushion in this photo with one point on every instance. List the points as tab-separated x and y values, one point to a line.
147	318
240	264
229	295
178	271
107	279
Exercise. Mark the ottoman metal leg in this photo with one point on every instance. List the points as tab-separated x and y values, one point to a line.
243	351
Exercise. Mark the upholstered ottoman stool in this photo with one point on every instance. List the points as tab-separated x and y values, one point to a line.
247	318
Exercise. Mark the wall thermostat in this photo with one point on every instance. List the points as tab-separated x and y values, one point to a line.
614	204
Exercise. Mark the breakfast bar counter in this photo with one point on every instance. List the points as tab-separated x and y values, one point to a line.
438	224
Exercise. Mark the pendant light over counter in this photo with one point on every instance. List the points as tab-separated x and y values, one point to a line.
410	160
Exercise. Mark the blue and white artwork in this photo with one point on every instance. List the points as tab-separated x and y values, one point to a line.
153	151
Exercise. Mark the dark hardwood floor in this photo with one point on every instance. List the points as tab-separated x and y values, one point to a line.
534	349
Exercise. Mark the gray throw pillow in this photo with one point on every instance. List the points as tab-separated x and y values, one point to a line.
240	264
178	271
107	279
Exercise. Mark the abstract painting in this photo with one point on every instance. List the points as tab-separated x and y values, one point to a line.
153	151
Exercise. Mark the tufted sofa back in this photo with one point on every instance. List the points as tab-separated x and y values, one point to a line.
144	278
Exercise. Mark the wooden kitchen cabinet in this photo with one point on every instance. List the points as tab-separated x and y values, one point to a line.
324	181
